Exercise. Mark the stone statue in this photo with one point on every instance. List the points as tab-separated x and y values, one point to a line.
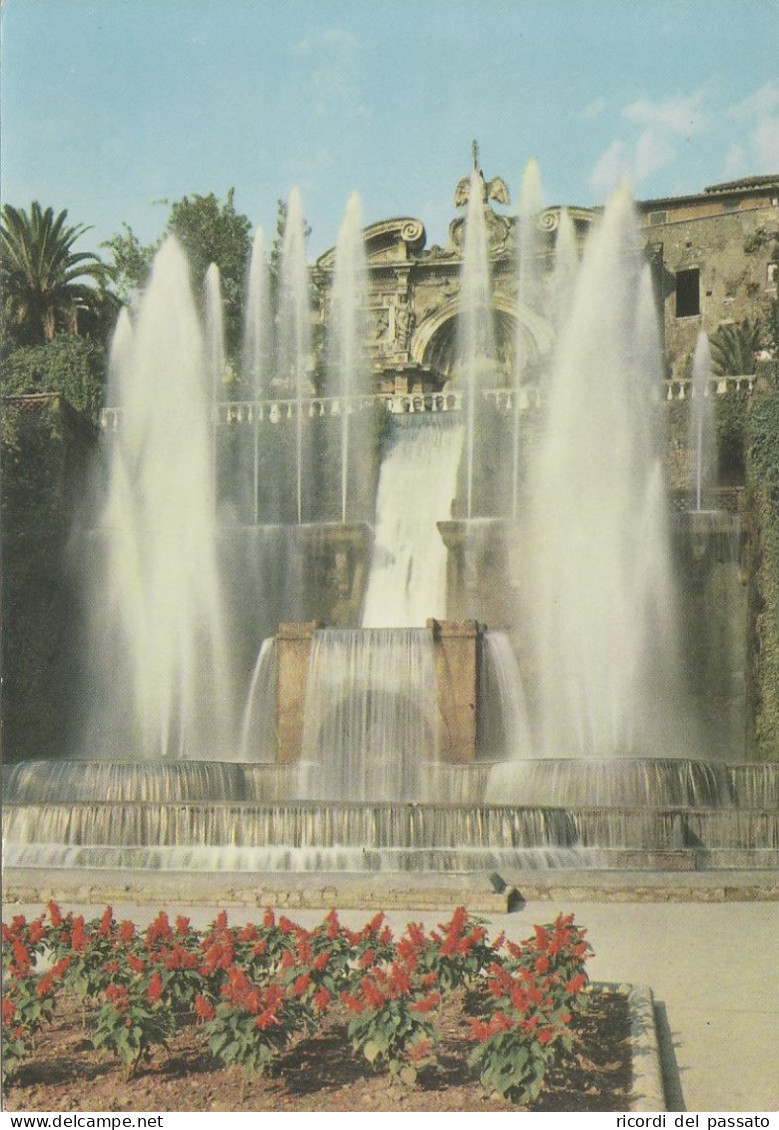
495	189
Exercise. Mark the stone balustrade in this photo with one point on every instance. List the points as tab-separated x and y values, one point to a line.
450	400
681	389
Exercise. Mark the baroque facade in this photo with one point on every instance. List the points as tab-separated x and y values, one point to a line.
715	257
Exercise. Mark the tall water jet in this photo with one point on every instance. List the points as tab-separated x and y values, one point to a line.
119	352
475	330
214	335
599	577
566	263
527	282
257	348
214	347
703	438
159	655
347	370
294	329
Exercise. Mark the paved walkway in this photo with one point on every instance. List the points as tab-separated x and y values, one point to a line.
712	968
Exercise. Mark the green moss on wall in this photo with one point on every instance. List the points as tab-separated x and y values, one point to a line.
763	573
44	453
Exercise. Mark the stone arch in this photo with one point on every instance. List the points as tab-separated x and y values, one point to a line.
434	342
364	758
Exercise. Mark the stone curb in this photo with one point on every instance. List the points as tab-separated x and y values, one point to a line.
647	1093
478	892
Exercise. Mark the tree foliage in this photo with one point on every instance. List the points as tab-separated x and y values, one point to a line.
209	231
734	346
69	365
47	286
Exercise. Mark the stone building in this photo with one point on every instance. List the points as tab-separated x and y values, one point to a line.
715	255
718	255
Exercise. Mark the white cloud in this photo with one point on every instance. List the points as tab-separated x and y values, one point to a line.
334	73
610	168
763	101
757	116
681	116
735	162
653	152
765	145
594	109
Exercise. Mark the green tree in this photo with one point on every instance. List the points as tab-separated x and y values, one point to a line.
73	366
47	286
733	347
210	231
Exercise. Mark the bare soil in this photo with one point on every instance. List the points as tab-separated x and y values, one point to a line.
317	1074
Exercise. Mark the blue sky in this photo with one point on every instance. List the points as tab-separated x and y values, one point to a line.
111	105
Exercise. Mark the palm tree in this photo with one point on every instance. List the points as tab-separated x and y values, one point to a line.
734	345
43	280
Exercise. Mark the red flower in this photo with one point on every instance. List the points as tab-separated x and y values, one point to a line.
576	983
320	962
285	925
374	997
542	937
106	922
399	980
544	1035
36	931
518	998
268	918
373	926
301	984
419	1050
354	1004
9	1010
155	987
21	958
221	920
126	931
54	913
303	947
333	925
266	1018
118	996
136	964
321	1000
426	1004
204	1009
78	939
542	964
287	960
367	958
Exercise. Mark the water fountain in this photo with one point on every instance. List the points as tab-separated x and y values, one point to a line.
398	739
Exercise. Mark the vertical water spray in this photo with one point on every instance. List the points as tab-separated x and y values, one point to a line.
599	577
347	373
159	649
703	439
476	338
566	263
257	345
294	327
527	281
214	349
